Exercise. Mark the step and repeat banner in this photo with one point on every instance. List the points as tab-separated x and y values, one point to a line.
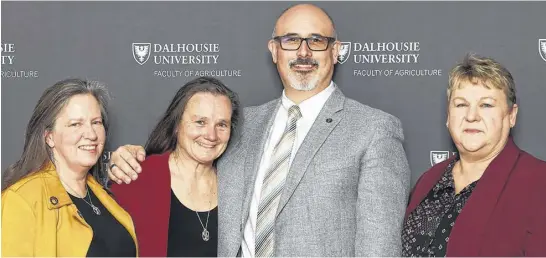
395	56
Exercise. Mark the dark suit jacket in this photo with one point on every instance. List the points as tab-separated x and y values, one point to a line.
506	213
148	201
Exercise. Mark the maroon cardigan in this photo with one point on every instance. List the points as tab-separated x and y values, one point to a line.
148	201
506	213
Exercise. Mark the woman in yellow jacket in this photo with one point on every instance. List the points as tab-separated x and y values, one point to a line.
52	203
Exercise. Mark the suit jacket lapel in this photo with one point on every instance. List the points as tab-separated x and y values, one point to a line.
320	130
475	215
258	135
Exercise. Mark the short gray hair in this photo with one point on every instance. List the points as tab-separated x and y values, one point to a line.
478	69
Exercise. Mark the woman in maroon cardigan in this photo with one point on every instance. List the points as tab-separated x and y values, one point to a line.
174	202
490	199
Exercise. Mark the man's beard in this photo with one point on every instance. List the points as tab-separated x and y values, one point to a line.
299	79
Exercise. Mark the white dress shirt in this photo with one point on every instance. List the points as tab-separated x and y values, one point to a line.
310	108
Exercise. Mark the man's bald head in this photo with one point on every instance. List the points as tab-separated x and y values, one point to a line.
305	69
305	10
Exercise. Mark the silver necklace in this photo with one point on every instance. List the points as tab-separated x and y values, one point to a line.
205	234
96	209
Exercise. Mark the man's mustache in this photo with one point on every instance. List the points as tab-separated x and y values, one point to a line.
303	61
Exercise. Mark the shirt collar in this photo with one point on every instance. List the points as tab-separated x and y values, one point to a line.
311	107
447	182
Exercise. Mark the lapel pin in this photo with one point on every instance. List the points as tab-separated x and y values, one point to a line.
328	120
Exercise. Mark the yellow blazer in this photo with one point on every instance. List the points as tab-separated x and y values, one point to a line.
39	218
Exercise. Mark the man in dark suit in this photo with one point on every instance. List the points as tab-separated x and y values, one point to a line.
314	173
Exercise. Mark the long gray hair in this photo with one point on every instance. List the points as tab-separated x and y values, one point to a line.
36	154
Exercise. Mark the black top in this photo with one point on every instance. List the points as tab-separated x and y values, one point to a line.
110	238
185	231
427	229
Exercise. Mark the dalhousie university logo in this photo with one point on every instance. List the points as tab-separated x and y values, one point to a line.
344	52
438	156
141	52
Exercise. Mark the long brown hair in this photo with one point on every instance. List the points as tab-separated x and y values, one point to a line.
36	154
163	138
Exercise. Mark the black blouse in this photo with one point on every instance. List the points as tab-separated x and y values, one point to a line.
427	229
110	238
185	231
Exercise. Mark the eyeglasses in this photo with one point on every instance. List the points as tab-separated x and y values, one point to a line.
315	43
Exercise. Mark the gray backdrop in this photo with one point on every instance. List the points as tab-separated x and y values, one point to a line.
44	42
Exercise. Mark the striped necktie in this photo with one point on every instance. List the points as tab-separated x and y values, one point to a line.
272	187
